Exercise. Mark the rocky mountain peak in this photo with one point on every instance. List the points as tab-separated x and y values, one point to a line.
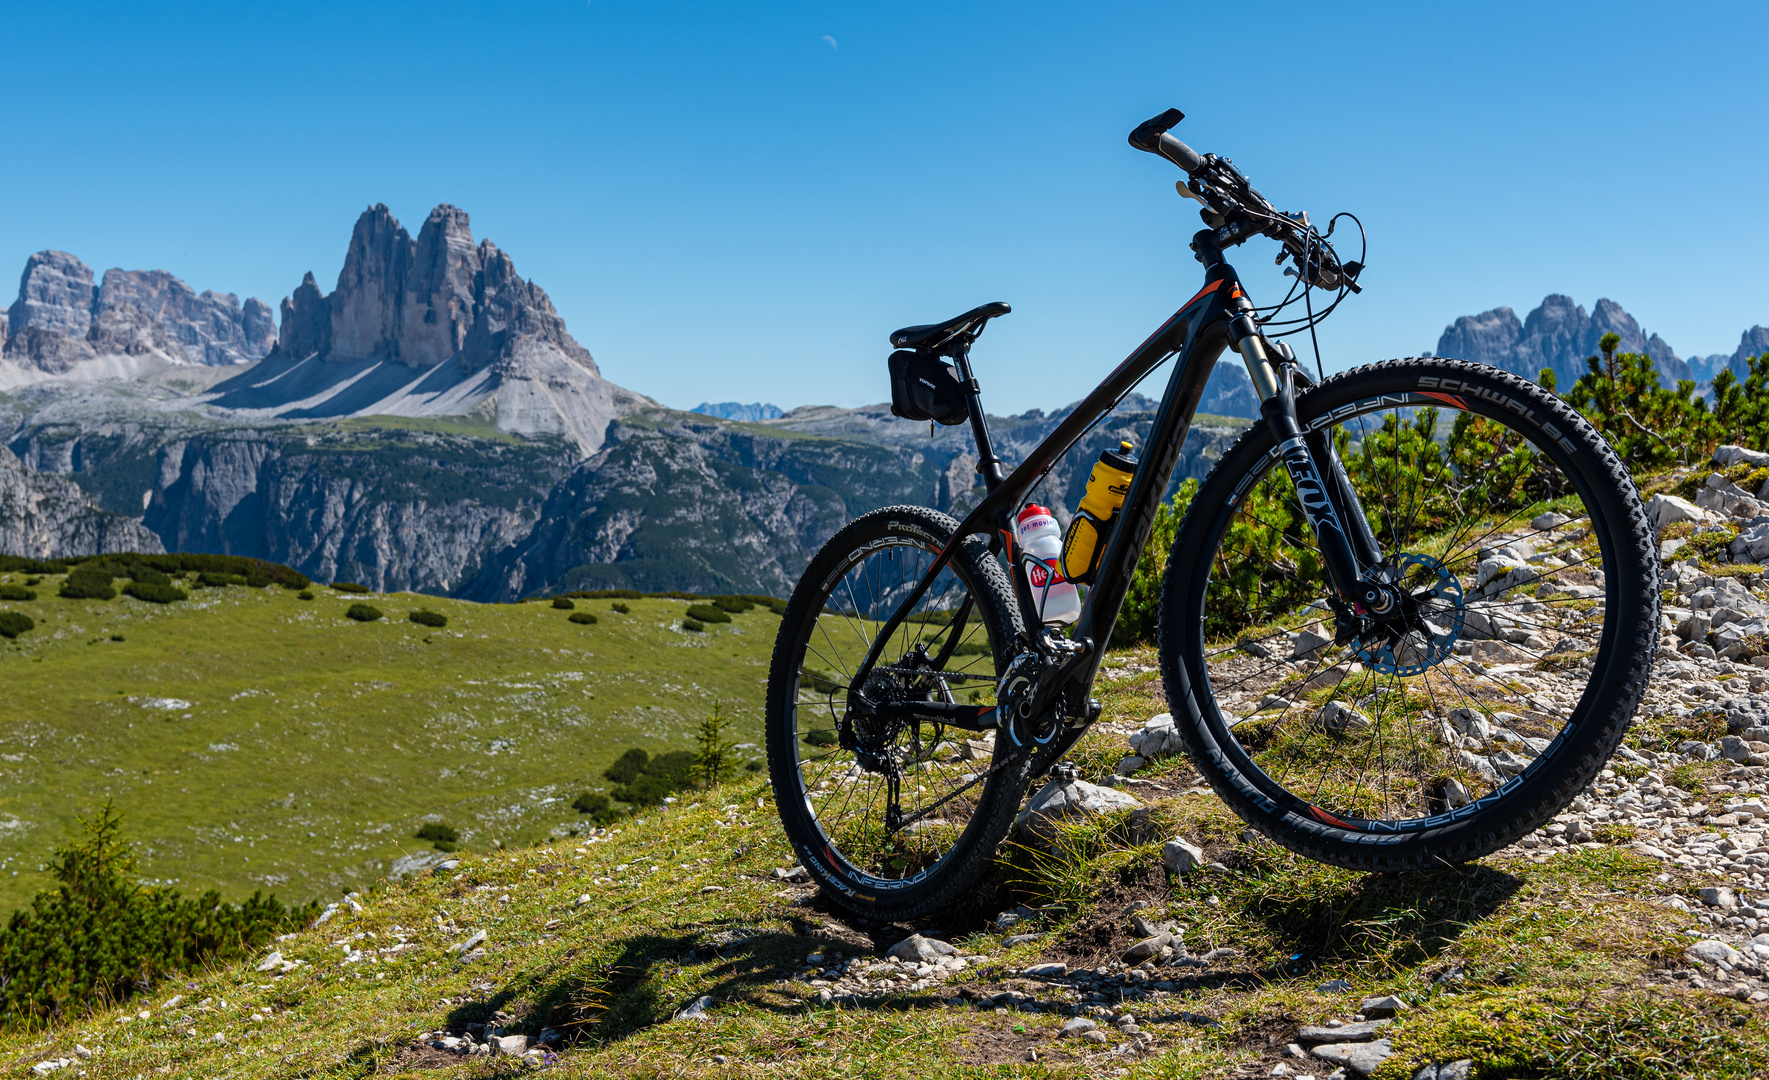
60	321
54	294
1558	334
423	302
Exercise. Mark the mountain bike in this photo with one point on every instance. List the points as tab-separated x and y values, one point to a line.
1407	617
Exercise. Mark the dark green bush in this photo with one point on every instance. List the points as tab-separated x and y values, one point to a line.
563	604
778	607
84	584
582	618
304	594
257	581
14	623
601	808
628	766
736	605
693	627
16	592
622	609
155	594
210	580
442	837
822	737
33	582
363	612
663	775
428	618
706	613
754	765
147	575
349	587
19	564
102	934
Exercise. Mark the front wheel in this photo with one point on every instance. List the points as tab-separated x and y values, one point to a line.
1477	707
893	819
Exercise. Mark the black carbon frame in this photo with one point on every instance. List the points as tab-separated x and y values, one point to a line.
1197	334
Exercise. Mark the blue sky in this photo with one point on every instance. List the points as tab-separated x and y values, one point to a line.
739	201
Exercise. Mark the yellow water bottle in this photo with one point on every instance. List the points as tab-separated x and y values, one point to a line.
1107	486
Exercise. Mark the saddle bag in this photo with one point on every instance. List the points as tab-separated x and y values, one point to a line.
926	387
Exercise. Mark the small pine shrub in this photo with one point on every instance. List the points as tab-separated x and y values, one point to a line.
582	618
622	609
257	581
33	582
601	808
101	935
147	575
442	837
84	584
14	623
706	613
712	751
363	612
155	594
16	592
693	627
778	607
304	594
210	580
736	605
349	587
562	604
753	765
822	737
424	617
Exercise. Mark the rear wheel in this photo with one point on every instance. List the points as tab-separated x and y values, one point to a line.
1495	690
893	820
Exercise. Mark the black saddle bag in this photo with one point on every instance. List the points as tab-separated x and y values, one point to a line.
926	387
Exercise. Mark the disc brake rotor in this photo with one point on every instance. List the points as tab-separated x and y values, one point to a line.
1425	626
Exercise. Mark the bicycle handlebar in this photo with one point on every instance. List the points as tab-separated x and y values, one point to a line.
1229	198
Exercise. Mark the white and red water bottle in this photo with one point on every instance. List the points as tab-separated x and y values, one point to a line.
1041	550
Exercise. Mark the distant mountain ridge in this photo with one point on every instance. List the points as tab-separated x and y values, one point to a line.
1559	335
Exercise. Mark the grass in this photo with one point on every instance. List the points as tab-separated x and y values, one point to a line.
1533	970
257	740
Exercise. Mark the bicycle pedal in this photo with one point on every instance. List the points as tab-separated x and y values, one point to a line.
1065	772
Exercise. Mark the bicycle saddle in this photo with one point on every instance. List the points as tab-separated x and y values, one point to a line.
932	334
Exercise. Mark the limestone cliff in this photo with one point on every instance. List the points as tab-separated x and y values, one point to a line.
44	516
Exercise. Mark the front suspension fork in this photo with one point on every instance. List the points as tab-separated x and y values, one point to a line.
1347	546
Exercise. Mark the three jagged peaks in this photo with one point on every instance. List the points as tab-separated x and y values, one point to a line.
433	326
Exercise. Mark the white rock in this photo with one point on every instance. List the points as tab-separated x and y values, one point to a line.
1731	455
509	1046
1667	510
471	943
1060	801
1337	716
1181	856
918	949
1712	952
1549	520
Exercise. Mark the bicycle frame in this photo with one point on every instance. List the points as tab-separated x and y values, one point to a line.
1217	318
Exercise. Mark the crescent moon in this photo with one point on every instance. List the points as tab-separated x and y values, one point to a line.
831	41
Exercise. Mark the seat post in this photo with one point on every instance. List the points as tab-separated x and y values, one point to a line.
987	463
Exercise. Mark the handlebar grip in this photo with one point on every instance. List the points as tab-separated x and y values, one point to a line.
1179	153
1147	133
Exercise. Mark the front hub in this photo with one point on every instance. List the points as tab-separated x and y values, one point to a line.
1419	619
